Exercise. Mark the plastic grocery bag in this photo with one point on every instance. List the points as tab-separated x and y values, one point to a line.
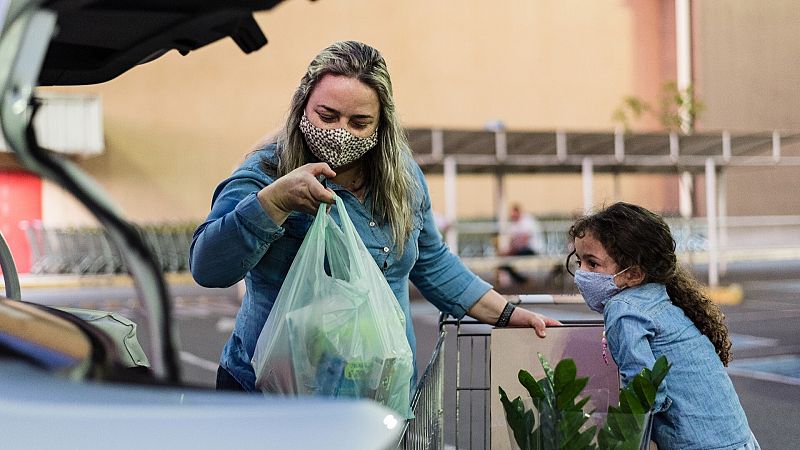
337	335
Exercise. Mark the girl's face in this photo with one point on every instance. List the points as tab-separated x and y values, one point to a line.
592	256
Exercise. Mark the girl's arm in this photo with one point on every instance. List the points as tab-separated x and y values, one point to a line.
628	332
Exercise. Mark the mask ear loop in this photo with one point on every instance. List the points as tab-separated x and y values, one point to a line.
621	272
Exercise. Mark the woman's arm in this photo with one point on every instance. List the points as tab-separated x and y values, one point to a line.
247	212
446	282
489	308
235	235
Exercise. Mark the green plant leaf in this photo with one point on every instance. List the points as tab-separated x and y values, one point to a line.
660	370
571	420
580	440
548	427
604	438
561	415
529	383
549	398
631	401
647	374
548	372
564	375
614	426
518	418
566	398
631	425
644	391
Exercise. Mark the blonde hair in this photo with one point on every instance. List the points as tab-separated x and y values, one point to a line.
387	167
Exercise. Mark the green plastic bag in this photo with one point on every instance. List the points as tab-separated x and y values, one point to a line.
337	335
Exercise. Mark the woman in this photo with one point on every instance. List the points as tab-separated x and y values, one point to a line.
341	128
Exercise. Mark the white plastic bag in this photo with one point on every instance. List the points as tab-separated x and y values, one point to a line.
338	335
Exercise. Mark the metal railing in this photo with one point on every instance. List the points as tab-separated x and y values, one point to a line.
739	237
426	429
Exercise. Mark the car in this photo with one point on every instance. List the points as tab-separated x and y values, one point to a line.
69	382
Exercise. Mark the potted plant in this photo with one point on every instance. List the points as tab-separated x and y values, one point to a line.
558	420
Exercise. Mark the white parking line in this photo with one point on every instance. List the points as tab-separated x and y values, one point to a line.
743	341
779	368
225	324
763	376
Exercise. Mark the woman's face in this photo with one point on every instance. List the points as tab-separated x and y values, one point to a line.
592	256
339	101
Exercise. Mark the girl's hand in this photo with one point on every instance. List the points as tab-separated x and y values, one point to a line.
298	190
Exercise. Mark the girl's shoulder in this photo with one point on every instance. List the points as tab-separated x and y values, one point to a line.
648	292
643	297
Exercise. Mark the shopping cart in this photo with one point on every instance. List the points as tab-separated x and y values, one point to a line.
426	429
453	398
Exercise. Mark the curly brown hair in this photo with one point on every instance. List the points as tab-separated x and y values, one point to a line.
634	236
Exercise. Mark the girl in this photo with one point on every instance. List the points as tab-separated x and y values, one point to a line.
628	271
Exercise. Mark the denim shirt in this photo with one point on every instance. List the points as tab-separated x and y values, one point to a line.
239	241
696	405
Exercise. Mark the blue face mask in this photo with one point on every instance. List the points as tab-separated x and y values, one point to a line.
597	288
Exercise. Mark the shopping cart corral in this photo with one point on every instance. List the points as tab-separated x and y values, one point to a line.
453	405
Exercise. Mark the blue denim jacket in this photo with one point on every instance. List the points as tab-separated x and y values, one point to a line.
696	406
239	240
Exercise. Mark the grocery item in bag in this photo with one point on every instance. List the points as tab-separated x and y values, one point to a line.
340	334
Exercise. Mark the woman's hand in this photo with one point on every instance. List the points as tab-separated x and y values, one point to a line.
489	307
298	190
524	318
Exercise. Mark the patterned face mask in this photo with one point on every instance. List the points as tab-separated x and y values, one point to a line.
596	288
337	147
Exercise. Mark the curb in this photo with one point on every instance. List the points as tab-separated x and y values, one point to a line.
726	295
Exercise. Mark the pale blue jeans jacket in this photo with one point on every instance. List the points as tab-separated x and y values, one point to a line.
696	406
239	241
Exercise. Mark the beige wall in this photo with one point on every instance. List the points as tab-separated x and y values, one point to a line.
747	58
61	208
747	54
176	126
